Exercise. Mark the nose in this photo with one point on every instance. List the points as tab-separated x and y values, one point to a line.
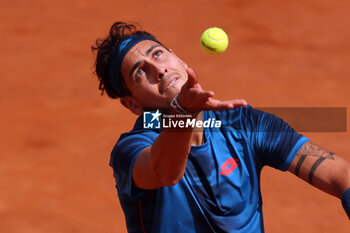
161	73
158	70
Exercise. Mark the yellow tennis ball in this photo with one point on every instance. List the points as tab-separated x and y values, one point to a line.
214	40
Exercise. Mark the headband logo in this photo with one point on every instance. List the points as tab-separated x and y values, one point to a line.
124	43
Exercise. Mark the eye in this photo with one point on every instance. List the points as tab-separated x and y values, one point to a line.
157	53
139	73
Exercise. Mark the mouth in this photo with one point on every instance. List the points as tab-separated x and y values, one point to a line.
169	83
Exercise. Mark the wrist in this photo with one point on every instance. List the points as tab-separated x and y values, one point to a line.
179	108
345	200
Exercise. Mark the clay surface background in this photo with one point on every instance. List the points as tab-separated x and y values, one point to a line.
57	131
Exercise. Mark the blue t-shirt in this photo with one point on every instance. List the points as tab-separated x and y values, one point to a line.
220	190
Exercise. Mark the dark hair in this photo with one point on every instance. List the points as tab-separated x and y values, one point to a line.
104	47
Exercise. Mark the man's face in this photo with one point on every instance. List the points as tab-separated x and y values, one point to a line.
153	74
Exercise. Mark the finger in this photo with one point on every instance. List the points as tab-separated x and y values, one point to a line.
216	105
238	103
234	103
192	78
206	94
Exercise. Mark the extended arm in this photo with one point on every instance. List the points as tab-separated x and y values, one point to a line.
164	163
322	169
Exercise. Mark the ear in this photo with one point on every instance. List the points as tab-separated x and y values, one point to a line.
131	103
181	61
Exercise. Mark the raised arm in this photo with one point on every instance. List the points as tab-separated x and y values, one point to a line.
323	169
164	163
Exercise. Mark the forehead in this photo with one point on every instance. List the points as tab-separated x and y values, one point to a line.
138	52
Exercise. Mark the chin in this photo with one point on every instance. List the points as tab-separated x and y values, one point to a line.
177	88
172	93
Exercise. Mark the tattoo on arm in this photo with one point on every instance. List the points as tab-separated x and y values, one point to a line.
314	167
311	149
300	162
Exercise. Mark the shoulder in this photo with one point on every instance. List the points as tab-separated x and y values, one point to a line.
138	133
131	143
136	137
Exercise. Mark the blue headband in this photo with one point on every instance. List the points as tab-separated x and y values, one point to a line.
115	62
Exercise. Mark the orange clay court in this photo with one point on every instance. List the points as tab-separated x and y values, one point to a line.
57	132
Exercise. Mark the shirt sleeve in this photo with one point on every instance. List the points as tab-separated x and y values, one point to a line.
275	143
122	161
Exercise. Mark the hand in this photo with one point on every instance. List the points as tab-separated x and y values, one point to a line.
194	99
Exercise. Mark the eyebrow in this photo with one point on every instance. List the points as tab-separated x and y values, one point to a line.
151	49
134	68
147	54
